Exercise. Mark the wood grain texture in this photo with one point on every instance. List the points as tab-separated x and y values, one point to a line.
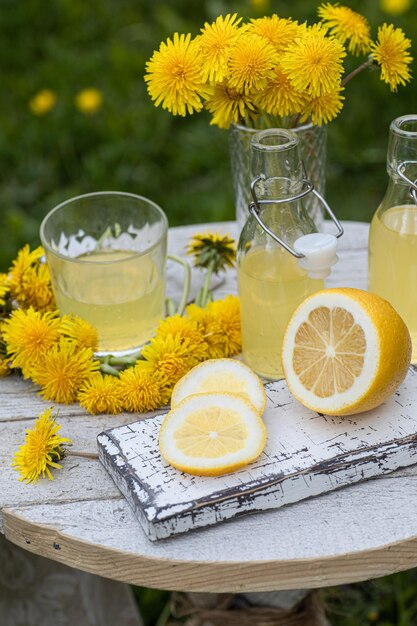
356	533
190	572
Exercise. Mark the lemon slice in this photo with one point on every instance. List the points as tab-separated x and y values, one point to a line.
345	351
212	434
221	375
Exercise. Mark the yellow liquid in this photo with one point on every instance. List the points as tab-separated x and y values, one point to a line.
120	295
271	286
393	263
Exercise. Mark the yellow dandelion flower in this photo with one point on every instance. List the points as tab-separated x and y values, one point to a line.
347	26
4	288
260	5
28	336
4	361
395	7
78	330
36	289
251	63
187	330
212	250
227	314
62	370
229	106
323	109
391	53
215	42
89	100
280	32
30	280
169	357
42	102
25	259
209	326
174	77
280	97
314	62
101	394
141	389
42	449
4	368
373	615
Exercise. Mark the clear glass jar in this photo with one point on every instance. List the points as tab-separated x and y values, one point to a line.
271	281
393	232
313	152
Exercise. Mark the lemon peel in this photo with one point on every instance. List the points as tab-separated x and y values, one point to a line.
221	375
345	351
212	434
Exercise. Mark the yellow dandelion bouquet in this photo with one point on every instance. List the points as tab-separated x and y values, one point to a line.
272	70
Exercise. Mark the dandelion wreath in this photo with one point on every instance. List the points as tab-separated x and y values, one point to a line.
57	352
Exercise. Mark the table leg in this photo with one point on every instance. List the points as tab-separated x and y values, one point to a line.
36	591
279	608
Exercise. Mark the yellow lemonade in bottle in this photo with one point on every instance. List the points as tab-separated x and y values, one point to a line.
393	262
271	286
119	292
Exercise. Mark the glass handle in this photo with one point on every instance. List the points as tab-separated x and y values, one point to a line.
186	285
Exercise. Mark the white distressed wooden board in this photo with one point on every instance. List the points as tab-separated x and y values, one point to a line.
306	454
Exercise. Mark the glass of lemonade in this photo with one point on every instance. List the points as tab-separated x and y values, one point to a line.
106	252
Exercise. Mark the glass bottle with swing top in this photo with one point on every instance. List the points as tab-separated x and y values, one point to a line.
281	258
393	232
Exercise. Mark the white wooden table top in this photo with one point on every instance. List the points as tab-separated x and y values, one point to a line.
80	518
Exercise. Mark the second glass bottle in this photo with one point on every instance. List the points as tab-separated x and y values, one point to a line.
393	233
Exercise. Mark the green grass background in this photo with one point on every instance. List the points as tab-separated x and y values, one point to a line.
181	163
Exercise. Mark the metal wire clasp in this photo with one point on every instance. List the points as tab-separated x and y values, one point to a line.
412	184
308	187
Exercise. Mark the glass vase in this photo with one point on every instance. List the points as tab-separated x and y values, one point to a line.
313	150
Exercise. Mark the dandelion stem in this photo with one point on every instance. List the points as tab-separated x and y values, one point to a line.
109	363
81	453
129	359
170	307
357	71
203	295
295	120
108	369
187	282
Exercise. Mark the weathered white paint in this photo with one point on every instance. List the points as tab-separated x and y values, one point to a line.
306	454
358	532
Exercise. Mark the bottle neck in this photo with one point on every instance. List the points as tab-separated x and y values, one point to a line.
277	180
402	150
397	193
276	160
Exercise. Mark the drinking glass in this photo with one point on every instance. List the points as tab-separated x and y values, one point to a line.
107	252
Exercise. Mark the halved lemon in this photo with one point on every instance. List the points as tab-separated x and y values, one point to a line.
345	351
221	376
212	434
